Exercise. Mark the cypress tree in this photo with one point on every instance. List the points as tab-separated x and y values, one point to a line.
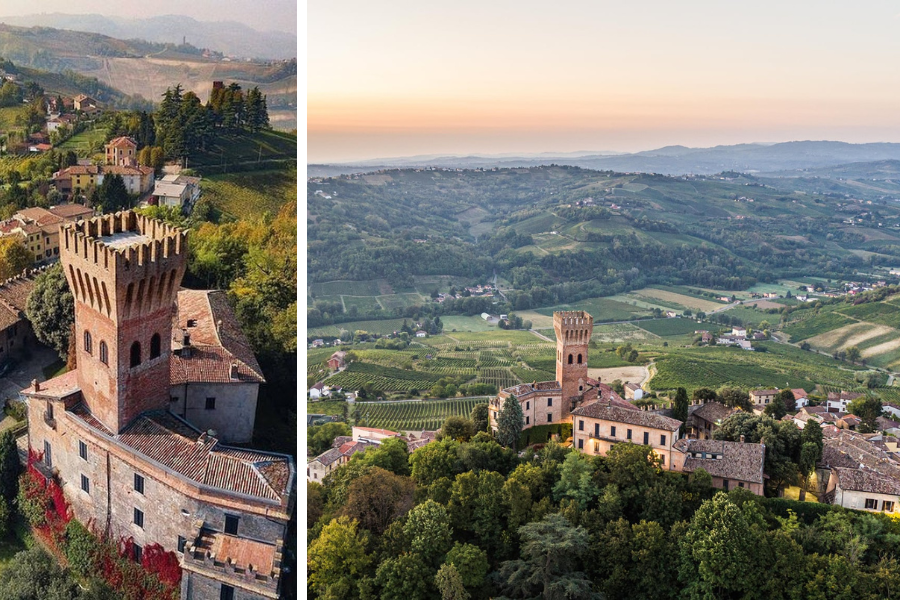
509	423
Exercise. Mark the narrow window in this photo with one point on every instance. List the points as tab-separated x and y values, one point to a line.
226	592
725	484
570	359
662	459
596	429
139	517
581	444
48	454
104	353
182	542
580	425
138	483
88	346
549	401
231	524
210	403
135	354
579	359
646	438
155	343
528	420
85	484
628	435
138	553
549	417
82	450
528	405
662	440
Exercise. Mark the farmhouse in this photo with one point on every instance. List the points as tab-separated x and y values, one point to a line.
337	361
837	402
763	396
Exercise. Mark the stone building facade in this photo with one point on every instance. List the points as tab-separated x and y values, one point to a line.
599	426
129	466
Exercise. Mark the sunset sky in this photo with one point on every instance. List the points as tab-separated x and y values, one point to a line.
402	78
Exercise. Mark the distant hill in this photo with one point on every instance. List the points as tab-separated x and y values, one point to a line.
146	69
228	37
676	160
72	84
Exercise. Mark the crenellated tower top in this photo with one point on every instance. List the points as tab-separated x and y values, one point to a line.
573	334
124	270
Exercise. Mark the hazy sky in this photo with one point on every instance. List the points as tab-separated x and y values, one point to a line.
264	15
410	77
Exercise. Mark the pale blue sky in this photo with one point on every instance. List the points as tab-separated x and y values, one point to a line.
410	77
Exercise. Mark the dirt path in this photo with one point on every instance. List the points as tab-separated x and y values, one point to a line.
635	374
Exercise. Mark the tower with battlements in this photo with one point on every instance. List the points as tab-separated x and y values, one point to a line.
124	271
573	333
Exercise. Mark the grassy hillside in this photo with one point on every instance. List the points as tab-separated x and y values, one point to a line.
245	152
250	194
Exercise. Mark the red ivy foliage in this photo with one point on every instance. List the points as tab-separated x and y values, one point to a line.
165	564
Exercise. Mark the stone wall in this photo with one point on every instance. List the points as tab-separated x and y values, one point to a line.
232	418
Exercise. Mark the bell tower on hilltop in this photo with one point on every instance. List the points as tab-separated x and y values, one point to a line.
124	271
573	333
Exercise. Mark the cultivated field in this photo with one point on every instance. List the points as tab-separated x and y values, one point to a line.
251	194
413	415
849	335
680	299
668	327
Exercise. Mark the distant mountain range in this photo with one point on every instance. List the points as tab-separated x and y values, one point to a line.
228	37
785	159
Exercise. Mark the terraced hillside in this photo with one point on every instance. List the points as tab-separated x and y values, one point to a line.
871	327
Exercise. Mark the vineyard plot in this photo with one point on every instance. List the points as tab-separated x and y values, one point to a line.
414	415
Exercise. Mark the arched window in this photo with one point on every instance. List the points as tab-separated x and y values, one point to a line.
104	353
155	343
135	354
88	345
579	359
570	359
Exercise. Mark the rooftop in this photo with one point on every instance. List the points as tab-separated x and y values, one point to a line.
739	461
862	480
217	341
124	239
601	410
714	412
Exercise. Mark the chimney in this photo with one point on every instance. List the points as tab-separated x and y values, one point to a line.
219	326
742	438
234	371
37	386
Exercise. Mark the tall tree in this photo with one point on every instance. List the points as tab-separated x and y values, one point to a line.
551	563
509	422
787	398
680	409
10	467
480	417
113	195
337	560
867	408
428	531
449	583
376	499
14	257
51	309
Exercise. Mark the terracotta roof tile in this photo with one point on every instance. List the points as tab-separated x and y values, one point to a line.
213	351
713	412
600	410
739	461
172	442
862	480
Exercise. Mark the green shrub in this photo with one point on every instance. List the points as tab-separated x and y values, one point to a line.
82	549
540	434
807	512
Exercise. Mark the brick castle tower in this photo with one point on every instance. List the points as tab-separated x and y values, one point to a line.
124	271
573	333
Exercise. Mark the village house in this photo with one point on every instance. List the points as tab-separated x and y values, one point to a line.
762	396
322	465
38	228
837	402
372	434
801	397
176	190
16	335
84	103
598	426
739	332
863	490
633	391
337	361
731	464
121	151
703	421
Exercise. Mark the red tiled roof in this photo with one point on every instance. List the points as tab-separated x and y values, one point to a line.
739	460
862	480
60	386
173	443
600	410
213	349
122	142
71	211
